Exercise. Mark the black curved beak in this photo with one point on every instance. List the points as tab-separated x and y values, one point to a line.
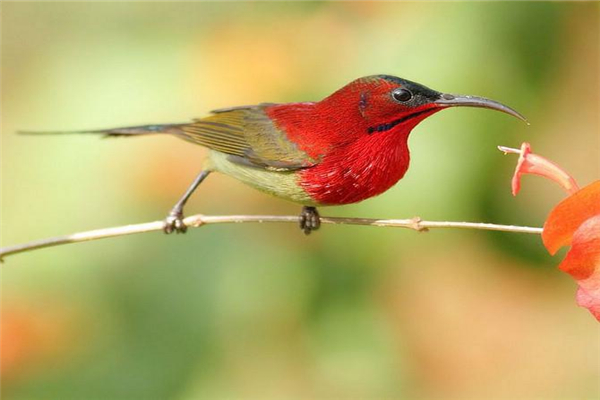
453	100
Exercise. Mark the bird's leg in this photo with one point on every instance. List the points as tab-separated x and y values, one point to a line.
174	221
310	220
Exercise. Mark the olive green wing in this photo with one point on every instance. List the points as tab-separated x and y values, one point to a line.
249	136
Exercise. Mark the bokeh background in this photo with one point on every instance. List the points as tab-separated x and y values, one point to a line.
261	311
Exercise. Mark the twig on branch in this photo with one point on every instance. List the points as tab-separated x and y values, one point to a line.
200	220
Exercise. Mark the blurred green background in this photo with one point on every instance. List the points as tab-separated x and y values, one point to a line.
261	311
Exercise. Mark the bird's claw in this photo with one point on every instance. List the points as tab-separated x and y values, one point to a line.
310	220
174	223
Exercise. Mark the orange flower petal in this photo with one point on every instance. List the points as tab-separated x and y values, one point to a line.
530	163
583	263
568	215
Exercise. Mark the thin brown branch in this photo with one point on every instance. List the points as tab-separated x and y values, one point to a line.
200	220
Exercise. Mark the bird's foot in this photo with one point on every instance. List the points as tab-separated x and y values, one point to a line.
310	220
174	222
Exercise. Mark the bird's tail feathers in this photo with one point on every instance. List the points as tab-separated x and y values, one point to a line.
174	129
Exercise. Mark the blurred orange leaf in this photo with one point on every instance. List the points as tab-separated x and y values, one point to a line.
30	336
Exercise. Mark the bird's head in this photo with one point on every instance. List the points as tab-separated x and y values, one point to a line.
387	103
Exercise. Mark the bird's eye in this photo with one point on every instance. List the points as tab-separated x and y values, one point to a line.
402	95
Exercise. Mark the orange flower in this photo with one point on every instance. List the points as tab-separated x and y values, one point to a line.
530	163
574	222
583	263
569	215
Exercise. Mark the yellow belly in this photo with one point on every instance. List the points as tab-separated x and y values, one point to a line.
283	184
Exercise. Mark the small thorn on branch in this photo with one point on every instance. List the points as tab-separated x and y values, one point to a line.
195	221
416	225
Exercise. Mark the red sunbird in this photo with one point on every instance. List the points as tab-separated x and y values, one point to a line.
346	148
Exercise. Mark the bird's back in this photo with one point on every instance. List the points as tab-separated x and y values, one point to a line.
249	137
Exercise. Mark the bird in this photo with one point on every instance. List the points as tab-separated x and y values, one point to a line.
348	147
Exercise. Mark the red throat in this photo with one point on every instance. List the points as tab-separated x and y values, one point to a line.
363	169
356	163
